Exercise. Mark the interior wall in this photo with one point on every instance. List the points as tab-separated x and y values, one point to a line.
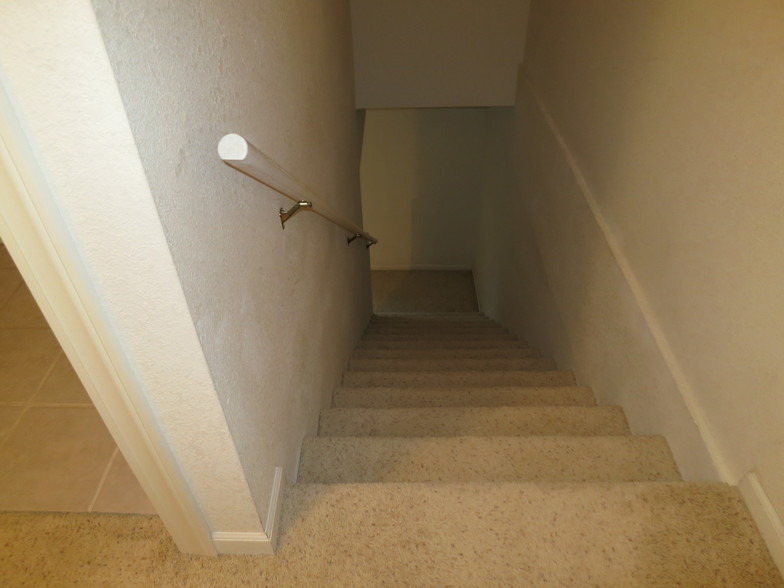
277	312
106	232
439	53
421	171
649	147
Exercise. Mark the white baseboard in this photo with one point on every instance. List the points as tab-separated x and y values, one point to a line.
762	511
255	542
239	543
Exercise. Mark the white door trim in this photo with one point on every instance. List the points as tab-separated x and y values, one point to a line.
34	233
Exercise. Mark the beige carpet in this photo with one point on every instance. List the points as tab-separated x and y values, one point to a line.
642	534
451	475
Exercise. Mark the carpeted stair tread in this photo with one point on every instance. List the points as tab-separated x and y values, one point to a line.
460	535
633	534
461	378
423	396
481	421
478	459
461	364
460	452
445	353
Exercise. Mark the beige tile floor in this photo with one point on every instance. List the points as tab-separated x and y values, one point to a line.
55	452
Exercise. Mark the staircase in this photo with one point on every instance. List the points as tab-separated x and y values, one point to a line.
454	454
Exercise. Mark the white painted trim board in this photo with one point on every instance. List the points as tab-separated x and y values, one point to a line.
764	514
257	543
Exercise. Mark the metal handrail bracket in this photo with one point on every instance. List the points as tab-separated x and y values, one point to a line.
287	214
243	156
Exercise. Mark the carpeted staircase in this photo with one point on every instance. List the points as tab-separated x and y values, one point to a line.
454	455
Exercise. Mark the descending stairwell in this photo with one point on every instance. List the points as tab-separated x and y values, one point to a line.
454	455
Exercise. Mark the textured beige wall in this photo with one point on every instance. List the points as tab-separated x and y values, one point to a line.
438	53
652	210
277	312
421	169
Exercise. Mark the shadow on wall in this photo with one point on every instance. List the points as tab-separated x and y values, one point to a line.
448	153
615	138
634	270
423	291
499	206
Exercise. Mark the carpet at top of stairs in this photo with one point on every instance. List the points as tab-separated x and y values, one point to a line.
417	480
368	535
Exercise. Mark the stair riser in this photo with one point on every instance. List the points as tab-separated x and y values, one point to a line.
445	353
458	379
480	327
332	460
446	322
446	317
480	422
472	324
444	344
424	365
438	333
367	397
474	336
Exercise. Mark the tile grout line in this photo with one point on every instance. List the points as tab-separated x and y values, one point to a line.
30	401
31	404
102	481
12	429
28	404
13	328
13	292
